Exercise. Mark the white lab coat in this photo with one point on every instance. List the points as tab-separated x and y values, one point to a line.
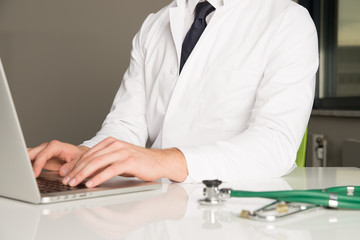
241	104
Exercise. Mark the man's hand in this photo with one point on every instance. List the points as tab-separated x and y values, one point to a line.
55	155
113	157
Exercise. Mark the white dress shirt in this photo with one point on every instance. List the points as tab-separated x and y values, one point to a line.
241	104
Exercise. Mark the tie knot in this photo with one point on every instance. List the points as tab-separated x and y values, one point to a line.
203	9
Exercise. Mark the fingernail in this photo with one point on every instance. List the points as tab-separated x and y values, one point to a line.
72	182
89	183
64	171
66	180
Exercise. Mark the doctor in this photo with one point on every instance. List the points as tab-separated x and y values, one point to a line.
221	89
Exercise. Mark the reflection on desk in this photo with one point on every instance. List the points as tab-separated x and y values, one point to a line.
174	213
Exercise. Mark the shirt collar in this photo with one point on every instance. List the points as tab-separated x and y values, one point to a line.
192	4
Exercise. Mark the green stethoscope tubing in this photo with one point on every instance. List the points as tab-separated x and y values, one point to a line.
315	196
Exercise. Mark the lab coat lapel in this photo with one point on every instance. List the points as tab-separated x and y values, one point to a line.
177	27
215	21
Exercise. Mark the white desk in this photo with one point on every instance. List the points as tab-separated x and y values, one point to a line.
174	213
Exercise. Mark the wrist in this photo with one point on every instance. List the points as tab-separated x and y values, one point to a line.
174	165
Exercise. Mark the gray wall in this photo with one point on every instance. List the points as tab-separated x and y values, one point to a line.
65	59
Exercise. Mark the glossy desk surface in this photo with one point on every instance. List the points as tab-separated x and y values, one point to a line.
174	213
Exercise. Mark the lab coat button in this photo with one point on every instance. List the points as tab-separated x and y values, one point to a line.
173	71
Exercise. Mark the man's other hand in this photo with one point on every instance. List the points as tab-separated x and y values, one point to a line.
55	155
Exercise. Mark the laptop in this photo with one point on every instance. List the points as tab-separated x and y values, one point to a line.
17	180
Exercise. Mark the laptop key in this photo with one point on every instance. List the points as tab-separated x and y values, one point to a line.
49	186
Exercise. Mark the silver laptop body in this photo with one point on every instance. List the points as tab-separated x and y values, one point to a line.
17	179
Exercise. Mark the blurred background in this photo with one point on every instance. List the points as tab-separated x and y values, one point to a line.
65	60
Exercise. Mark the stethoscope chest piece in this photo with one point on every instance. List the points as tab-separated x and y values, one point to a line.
212	195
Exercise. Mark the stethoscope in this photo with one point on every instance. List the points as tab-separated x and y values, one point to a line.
286	202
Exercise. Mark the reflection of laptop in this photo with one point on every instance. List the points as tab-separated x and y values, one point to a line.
17	180
42	221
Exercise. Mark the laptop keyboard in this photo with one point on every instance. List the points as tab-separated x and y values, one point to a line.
49	186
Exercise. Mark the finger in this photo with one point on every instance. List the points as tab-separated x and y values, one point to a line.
108	173
33	152
53	149
94	165
108	147
85	161
66	168
97	150
82	163
99	146
53	164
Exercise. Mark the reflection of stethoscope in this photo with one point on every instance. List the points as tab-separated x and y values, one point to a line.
286	202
